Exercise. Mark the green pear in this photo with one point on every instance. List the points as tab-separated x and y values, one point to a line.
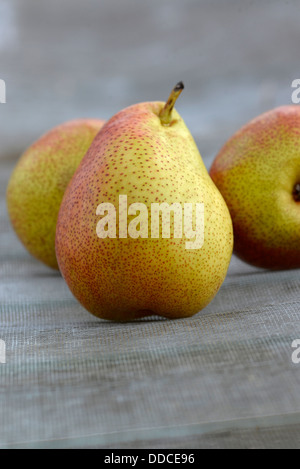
37	184
258	174
122	246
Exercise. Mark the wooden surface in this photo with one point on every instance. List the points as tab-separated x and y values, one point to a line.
223	378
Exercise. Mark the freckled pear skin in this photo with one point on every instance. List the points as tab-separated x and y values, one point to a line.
37	185
123	279
257	172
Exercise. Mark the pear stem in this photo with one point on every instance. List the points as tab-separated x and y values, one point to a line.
165	114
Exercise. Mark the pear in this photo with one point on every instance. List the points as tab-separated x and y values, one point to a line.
258	173
37	184
115	254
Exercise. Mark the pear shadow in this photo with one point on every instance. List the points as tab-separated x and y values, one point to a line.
50	274
100	323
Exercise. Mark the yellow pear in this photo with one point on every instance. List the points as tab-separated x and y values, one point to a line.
258	174
38	183
142	229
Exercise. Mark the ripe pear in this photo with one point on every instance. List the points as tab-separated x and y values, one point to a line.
146	156
258	173
37	184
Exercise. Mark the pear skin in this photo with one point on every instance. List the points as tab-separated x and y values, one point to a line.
38	183
137	155
258	173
